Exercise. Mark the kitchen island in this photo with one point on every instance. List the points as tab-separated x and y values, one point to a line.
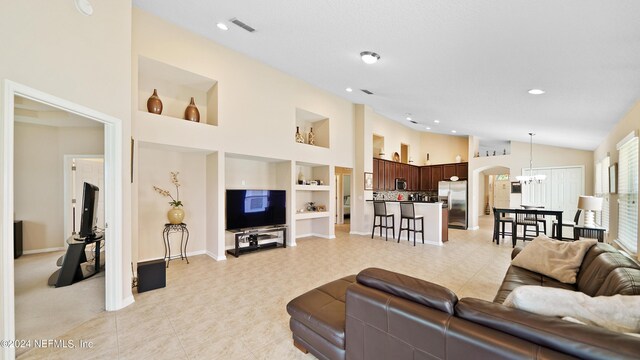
435	220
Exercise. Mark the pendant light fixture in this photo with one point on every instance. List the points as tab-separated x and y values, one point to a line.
528	179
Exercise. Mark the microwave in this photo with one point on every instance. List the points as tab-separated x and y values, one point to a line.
401	184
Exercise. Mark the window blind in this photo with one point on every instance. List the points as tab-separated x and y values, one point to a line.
628	193
602	190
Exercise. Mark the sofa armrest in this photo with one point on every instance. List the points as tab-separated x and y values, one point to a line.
582	341
410	288
516	251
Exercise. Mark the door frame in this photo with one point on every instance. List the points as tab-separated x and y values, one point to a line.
113	164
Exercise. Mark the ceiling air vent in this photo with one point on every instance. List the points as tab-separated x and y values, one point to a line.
414	122
366	91
242	25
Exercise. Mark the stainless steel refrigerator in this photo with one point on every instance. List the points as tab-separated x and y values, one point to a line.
454	194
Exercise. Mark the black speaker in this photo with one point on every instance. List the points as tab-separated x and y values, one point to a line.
152	275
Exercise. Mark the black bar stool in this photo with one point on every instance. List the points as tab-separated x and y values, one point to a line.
407	211
380	212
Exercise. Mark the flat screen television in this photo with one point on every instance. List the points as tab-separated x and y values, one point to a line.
255	208
89	211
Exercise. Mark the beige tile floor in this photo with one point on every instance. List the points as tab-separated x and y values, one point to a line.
235	309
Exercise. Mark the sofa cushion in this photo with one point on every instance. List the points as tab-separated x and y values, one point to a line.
557	259
585	342
410	288
594	278
323	309
517	276
617	313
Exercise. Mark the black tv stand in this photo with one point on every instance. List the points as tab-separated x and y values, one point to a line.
74	264
256	239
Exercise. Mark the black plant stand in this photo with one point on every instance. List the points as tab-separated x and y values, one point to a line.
184	240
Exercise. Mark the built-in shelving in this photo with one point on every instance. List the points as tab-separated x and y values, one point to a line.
312	215
312	187
176	87
306	121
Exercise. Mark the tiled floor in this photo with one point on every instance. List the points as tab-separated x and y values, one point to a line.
235	309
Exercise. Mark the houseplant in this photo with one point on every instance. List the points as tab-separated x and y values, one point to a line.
176	214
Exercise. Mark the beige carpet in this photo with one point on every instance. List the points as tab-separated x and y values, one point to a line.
235	309
44	312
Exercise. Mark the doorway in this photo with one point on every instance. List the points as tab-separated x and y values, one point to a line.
79	169
343	199
114	292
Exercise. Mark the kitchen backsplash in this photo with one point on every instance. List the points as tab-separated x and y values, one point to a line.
417	195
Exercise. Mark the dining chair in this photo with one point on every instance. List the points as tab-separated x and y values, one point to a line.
569	224
526	219
380	214
500	221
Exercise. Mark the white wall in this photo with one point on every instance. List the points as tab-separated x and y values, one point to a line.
39	178
51	47
543	156
395	134
442	149
155	166
629	122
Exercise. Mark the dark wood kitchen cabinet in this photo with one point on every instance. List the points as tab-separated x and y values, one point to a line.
389	175
462	170
376	165
425	178
436	176
448	170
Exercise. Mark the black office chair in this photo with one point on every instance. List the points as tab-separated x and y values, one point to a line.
407	211
500	222
526	219
380	213
568	224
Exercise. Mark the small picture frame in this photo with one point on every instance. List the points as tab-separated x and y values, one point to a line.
613	178
516	187
368	181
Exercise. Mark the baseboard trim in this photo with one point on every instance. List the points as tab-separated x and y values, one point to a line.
173	256
215	257
474	228
315	235
126	302
363	233
40	251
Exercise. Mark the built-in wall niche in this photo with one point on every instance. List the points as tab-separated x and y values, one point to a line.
493	148
378	146
312	175
175	87
306	121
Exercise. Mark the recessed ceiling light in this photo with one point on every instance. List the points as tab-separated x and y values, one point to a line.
84	7
369	57
222	26
453	131
436	121
348	89
536	92
409	118
428	128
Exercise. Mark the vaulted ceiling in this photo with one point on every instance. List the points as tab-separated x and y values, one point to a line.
466	63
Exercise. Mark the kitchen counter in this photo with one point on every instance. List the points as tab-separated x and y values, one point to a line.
434	231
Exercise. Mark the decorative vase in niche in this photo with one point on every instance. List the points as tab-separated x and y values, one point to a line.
154	104
191	113
312	137
299	137
458	158
175	215
301	179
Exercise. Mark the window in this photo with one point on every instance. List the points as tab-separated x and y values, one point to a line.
628	193
602	190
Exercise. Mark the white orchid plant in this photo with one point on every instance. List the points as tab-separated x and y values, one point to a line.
174	201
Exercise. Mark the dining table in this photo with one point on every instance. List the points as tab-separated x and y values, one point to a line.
528	211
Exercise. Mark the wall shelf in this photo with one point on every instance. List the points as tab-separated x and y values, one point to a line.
312	215
306	120
175	88
312	187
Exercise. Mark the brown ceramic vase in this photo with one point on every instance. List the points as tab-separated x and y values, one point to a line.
191	113
154	104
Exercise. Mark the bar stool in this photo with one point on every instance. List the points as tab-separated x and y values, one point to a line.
380	213
407	211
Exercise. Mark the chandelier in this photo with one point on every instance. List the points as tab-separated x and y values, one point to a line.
528	179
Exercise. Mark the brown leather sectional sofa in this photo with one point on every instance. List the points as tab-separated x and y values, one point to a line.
380	314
